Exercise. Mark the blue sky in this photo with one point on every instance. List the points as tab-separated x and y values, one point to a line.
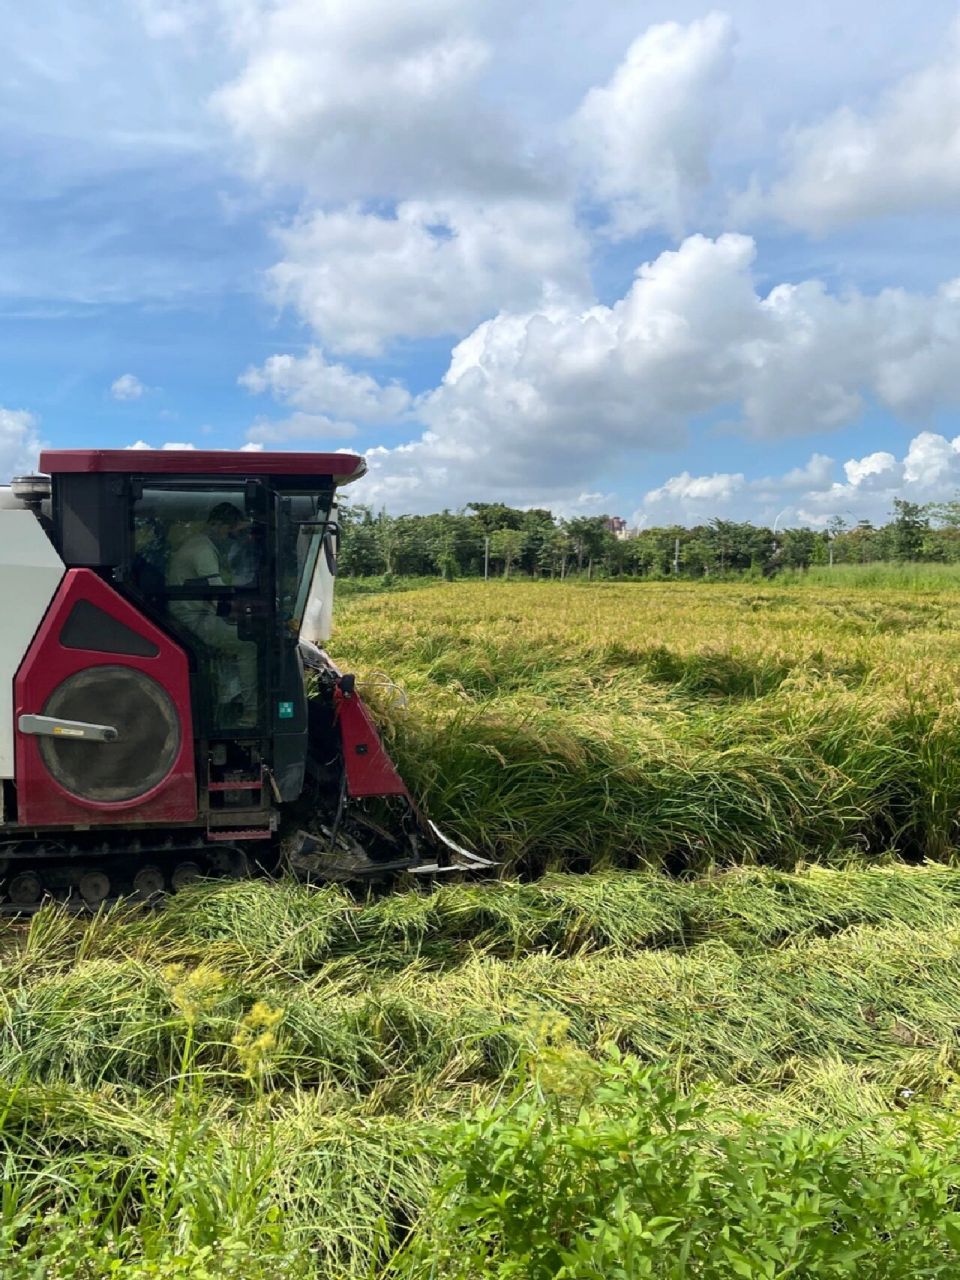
645	258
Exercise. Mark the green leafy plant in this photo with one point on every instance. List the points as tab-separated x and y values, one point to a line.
604	1171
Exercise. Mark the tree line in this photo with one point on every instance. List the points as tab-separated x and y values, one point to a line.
490	538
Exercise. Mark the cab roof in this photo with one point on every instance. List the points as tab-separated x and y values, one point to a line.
340	467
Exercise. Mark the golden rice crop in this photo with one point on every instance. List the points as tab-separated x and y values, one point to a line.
556	724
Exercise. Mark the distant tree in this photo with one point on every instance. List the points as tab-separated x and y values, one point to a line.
821	547
495	515
944	514
861	544
444	551
413	545
942	539
453	543
616	557
909	526
360	554
798	546
506	545
652	550
539	528
387	541
553	551
698	552
589	535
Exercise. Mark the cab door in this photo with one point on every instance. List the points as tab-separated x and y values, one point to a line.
200	562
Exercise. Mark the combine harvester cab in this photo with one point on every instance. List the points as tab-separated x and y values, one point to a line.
166	707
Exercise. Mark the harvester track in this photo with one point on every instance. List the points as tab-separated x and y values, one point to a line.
84	877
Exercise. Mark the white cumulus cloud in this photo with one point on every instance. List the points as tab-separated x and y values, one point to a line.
690	499
358	98
314	384
315	429
436	267
172	19
874	471
928	471
815	473
901	157
170	444
127	387
644	139
19	442
711	491
543	401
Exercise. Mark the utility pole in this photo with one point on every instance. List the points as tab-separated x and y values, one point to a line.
486	557
676	556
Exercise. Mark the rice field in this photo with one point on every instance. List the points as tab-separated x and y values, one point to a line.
705	1026
672	725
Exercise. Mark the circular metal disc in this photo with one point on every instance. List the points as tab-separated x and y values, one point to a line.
185	873
148	882
148	734
94	886
25	888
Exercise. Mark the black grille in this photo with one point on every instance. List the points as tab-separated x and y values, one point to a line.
147	725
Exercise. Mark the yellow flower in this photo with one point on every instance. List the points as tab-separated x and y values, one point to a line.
255	1039
195	991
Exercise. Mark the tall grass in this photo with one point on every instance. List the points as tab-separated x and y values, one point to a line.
750	969
748	1063
908	576
651	725
266	1080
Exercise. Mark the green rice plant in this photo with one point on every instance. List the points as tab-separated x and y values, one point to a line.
133	1192
109	1021
131	1115
251	925
100	1184
872	994
343	942
756	907
351	1185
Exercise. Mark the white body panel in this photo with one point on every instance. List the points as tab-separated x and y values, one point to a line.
30	572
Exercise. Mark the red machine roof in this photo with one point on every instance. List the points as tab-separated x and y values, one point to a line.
342	467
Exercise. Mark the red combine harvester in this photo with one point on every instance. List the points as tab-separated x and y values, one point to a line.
166	708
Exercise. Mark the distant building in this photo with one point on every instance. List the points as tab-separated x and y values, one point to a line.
618	527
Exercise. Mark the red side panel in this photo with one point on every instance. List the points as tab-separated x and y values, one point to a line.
370	771
40	798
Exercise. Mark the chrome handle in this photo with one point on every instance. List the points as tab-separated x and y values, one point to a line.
53	727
